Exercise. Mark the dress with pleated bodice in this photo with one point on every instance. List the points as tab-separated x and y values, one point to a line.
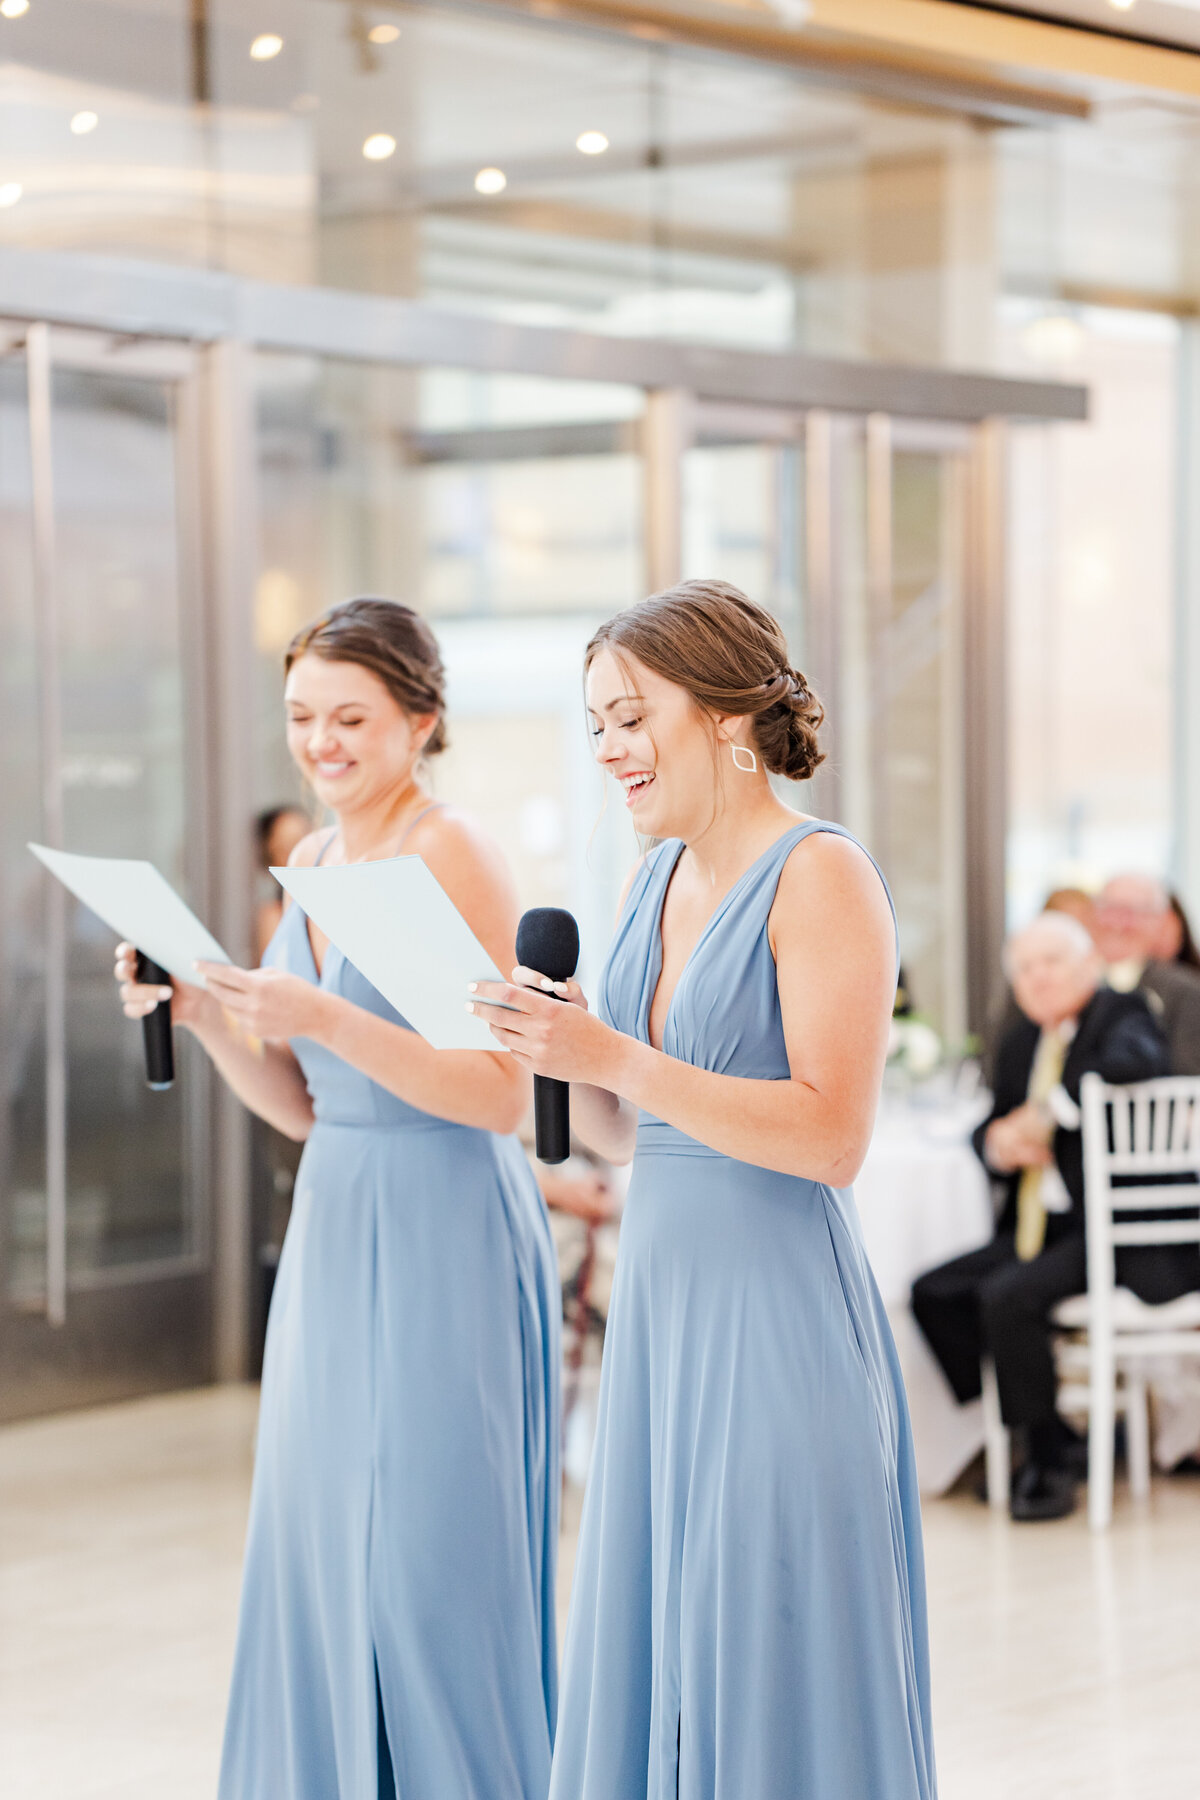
748	1615
397	1622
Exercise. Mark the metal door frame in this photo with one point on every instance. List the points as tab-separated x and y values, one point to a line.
97	1301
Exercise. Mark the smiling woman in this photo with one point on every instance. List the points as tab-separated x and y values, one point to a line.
401	1504
748	1616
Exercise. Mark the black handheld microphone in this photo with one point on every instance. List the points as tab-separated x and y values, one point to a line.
548	941
156	1028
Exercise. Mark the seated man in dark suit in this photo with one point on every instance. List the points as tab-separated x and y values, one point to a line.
1136	934
998	1299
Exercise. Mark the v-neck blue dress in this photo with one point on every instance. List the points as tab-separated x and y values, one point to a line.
397	1632
748	1615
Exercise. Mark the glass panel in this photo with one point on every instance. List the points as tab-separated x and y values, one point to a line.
743	521
464	494
124	707
509	510
911	632
22	942
1092	598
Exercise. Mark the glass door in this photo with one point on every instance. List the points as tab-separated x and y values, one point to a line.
103	1210
855	532
903	517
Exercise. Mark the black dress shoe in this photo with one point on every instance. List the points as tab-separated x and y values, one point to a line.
1042	1491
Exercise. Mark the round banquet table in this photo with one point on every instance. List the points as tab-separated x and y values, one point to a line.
923	1197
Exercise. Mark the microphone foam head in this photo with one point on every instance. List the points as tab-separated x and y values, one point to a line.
548	941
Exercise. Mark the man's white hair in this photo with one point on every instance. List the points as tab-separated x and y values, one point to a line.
1153	889
1069	930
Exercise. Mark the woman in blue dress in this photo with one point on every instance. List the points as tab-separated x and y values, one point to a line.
396	1634
748	1615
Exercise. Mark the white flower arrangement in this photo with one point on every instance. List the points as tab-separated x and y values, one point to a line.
914	1048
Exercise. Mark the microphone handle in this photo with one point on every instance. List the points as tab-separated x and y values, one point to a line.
156	1028
551	1119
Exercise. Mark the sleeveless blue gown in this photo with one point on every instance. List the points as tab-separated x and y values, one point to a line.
397	1632
748	1615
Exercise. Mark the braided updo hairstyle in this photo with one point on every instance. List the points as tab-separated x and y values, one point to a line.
731	656
394	643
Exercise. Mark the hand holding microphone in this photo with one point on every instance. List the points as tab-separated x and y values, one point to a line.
156	1028
149	994
548	941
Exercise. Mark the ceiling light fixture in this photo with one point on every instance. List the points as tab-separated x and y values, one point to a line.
13	9
384	34
83	122
267	45
1122	5
491	181
379	146
591	143
10	192
1055	336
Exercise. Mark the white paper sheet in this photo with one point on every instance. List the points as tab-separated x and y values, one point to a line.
398	927
140	905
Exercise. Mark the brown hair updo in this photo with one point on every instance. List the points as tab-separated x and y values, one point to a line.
394	643
731	656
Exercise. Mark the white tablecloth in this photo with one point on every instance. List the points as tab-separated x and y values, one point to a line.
923	1197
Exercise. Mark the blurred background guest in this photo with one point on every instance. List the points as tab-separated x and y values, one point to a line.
1073	901
1139	936
1176	943
997	1300
277	832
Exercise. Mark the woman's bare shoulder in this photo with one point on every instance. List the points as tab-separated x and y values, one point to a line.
828	880
309	848
449	832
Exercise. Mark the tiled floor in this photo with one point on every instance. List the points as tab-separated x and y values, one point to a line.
1065	1665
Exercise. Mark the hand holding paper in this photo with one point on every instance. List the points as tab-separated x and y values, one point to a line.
401	931
139	905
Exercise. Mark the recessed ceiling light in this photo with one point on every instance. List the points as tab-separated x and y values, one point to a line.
491	181
83	122
592	143
1054	337
266	46
384	34
13	9
10	192
379	146
1122	5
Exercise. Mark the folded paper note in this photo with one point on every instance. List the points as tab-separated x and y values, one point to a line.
401	931
140	905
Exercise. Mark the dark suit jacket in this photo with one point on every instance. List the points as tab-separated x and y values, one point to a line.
1173	993
1118	1039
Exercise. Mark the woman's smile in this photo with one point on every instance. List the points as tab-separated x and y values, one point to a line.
635	784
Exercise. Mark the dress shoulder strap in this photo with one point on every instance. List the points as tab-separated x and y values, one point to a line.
324	847
434	806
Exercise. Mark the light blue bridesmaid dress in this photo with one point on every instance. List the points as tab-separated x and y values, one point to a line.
397	1628
748	1615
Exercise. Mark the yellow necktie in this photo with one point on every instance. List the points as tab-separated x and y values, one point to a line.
1044	1077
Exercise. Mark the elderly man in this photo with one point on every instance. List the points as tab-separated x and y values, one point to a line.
1135	929
997	1300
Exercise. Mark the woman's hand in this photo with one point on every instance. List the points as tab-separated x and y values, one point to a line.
267	1004
189	1005
564	1042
